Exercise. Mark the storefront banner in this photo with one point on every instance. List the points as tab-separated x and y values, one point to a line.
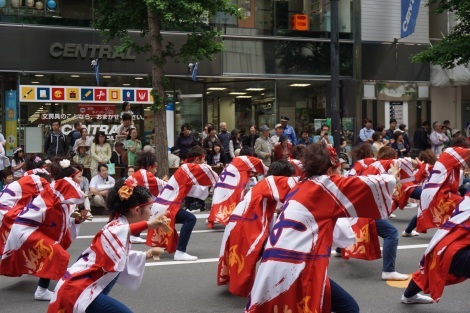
97	110
74	94
11	120
409	15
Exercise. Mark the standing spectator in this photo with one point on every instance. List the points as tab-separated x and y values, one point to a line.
2	157
263	148
224	137
126	109
455	133
56	142
173	158
17	163
100	185
119	155
74	135
6	177
403	129
2	140
218	157
124	129
324	135
391	130
81	156
100	153
305	139
445	132
421	137
83	138
365	134
209	142
446	123
185	141
278	131
205	133
383	132
283	149
134	145
289	131
235	143
251	138
401	147
438	139
378	143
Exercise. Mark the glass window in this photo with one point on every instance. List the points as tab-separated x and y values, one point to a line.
283	57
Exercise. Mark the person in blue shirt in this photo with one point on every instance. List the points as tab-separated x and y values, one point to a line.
324	134
305	139
289	131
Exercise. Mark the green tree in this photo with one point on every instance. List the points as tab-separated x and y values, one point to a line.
455	48
115	17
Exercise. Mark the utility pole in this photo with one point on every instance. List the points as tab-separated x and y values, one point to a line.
334	84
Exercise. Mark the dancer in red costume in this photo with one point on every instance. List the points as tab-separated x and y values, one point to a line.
42	232
293	270
248	228
192	173
109	259
230	188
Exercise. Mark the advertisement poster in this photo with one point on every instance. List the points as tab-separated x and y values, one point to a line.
11	119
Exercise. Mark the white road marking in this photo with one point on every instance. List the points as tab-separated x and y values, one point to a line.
215	260
106	219
145	234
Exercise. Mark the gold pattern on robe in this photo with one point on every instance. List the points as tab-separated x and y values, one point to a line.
442	211
161	237
286	309
35	257
364	238
224	214
235	259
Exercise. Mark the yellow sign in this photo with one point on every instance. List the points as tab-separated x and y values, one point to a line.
114	94
28	93
72	94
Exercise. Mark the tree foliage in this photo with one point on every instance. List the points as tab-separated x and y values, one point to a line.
455	48
115	18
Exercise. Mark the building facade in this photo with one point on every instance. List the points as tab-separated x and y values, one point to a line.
269	68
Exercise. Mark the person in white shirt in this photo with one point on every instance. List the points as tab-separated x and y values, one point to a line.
438	139
100	185
173	157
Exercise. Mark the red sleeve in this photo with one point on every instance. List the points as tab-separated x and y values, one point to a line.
138	227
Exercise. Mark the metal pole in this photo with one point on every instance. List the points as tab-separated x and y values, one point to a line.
334	85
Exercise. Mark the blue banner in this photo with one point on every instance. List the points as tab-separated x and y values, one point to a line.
409	15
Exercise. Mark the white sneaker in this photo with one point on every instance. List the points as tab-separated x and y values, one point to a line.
43	294
392	216
183	256
394	276
417	298
336	254
137	240
412	234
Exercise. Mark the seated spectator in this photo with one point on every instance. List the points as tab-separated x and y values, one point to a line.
82	156
305	139
100	185
173	157
119	155
6	177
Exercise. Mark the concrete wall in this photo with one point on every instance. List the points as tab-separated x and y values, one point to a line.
446	104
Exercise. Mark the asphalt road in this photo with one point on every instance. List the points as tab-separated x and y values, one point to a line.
174	287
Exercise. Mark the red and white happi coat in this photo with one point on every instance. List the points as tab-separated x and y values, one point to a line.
146	179
230	187
41	233
433	274
440	193
359	166
299	167
246	233
35	171
292	276
14	198
108	256
423	172
367	245
171	198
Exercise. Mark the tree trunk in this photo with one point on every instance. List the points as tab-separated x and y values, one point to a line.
159	117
